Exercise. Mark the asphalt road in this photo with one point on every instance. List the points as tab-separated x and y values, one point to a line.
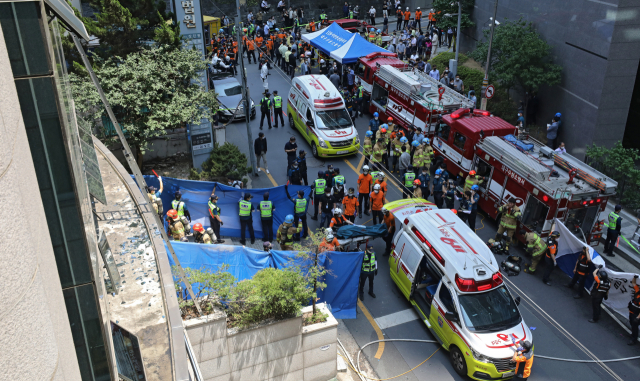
561	327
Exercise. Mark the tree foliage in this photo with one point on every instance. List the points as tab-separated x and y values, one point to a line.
619	163
225	161
125	26
150	91
307	263
443	7
520	58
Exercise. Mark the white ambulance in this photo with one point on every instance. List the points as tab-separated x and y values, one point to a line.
453	280
316	109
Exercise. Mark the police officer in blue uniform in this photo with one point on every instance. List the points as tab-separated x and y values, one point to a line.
436	188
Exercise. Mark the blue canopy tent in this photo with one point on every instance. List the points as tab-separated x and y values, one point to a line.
341	45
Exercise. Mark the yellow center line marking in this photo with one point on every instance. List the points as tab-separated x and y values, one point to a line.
359	168
367	314
269	176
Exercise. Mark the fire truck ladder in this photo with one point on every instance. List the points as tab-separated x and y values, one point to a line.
523	164
571	169
457	100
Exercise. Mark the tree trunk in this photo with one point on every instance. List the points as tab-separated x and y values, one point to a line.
139	157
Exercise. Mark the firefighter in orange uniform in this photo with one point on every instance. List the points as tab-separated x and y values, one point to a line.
550	257
634	311
329	242
580	272
523	359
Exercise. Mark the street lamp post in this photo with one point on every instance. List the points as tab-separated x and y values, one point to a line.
453	64
485	82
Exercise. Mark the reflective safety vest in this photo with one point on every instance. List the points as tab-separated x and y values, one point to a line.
339	177
471	181
245	208
266	209
277	101
372	37
509	218
177	230
323	16
583	265
301	205
213	207
367	146
634	304
350	14
613	220
553	248
360	91
179	206
369	265
408	179
604	286
374	175
397	144
320	185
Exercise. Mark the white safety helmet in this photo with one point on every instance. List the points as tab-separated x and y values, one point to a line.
384	210
329	235
380	175
376	187
227	58
337	211
407	8
365	168
418	8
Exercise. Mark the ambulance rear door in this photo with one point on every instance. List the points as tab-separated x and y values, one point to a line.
404	263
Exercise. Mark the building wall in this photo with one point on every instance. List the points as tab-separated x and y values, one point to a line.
36	341
597	42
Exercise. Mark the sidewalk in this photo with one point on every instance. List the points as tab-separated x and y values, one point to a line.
626	258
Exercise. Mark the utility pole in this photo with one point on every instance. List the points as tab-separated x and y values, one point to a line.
485	82
455	71
245	90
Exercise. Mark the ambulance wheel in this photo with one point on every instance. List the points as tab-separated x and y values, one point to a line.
458	361
291	122
314	150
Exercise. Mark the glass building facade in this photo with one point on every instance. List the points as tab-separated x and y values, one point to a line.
32	35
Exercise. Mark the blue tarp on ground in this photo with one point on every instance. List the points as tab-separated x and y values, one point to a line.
342	278
341	45
196	196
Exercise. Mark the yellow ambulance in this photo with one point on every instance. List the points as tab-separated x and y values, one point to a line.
453	281
316	109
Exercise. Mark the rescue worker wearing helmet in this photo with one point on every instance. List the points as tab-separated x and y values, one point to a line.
427	153
365	185
407	180
418	155
599	292
384	135
175	228
536	247
318	187
550	256
329	242
580	272
614	224
523	357
337	191
425	180
378	153
368	271
508	222
380	180
417	189
472	179
367	147
396	147
300	205
214	215
183	212
338	220
473	206
436	188
634	311
378	40
377	201
266	217
154	197
350	203
374	124
372	36
337	177
200	235
449	194
390	222
286	231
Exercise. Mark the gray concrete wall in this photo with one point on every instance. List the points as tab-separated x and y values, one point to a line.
282	351
35	341
598	45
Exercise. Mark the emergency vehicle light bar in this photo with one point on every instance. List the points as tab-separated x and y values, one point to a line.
470	285
320	103
424	240
464	111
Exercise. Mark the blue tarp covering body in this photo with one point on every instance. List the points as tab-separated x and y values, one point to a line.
342	278
196	196
353	231
341	45
523	146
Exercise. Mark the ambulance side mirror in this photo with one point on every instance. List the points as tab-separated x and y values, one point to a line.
517	300
309	124
452	316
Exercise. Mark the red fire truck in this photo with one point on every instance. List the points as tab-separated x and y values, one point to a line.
410	96
368	65
544	183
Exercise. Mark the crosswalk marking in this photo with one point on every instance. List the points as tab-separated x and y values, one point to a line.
397	318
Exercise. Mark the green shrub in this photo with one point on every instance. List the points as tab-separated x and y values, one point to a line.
270	294
471	77
224	161
619	163
204	283
501	105
441	60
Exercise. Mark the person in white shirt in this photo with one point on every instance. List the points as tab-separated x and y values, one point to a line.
281	5
250	16
414	43
264	72
414	58
265	6
372	15
560	150
435	74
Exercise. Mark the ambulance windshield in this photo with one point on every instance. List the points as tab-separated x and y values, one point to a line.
333	119
489	311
